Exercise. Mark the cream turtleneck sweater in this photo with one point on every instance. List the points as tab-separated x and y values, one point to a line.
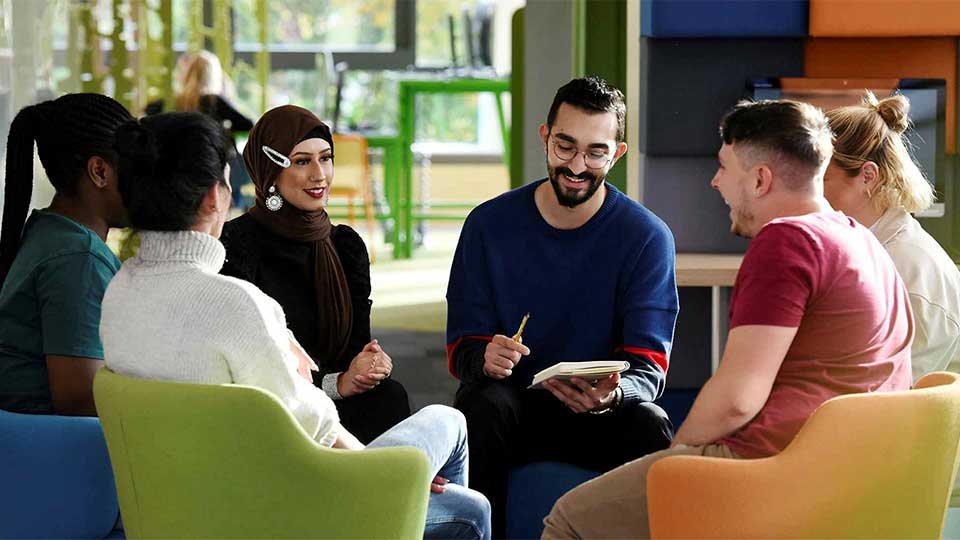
169	315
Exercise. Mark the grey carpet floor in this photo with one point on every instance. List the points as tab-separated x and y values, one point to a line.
420	363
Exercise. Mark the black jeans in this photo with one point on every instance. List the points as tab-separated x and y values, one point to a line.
508	425
373	412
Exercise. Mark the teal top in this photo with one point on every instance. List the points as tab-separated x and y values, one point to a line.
50	305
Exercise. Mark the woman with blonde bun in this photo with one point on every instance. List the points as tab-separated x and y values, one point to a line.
873	179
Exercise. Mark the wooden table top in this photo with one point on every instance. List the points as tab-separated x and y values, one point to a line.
707	269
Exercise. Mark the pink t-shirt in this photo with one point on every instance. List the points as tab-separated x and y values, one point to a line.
828	276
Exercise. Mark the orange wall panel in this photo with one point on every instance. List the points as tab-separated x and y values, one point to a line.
930	58
884	18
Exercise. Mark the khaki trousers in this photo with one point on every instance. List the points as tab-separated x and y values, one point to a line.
614	505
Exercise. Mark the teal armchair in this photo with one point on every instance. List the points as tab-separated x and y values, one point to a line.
229	461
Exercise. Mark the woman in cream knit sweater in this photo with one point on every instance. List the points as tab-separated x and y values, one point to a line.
169	315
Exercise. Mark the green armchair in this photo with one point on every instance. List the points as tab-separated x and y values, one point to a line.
229	461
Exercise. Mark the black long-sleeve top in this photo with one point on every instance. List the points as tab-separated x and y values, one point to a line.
283	269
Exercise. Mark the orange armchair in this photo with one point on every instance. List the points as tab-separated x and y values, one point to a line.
863	466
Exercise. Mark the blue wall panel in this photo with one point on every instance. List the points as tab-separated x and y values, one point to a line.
724	18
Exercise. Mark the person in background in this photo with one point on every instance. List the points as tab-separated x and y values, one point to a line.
317	271
202	87
55	267
873	179
168	315
817	311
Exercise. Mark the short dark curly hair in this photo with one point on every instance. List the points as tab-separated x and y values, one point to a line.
593	95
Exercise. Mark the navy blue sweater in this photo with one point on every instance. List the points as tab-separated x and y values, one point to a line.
604	290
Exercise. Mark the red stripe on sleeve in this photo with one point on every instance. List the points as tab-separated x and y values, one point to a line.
453	346
657	357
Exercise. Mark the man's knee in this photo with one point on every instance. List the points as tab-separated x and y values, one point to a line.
611	505
488	403
649	418
557	523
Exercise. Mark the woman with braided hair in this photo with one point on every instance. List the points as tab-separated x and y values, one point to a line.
55	265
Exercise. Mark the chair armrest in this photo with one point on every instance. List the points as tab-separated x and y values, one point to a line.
705	497
383	492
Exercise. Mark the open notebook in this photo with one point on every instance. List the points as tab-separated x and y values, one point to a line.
588	371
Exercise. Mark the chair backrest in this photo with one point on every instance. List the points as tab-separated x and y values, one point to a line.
351	166
217	461
887	459
55	478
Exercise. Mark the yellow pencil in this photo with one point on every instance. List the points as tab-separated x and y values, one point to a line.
518	336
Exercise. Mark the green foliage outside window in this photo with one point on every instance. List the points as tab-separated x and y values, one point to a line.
433	35
339	25
345	25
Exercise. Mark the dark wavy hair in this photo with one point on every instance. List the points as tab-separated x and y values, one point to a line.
167	163
594	95
68	131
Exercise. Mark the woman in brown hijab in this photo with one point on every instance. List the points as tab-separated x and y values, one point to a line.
317	271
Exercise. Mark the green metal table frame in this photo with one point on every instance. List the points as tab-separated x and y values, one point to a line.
401	204
392	163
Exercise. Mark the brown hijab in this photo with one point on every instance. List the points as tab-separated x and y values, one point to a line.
281	129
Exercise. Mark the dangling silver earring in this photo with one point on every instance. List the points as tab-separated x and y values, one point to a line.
274	201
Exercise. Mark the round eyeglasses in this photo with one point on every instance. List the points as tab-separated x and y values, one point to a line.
595	158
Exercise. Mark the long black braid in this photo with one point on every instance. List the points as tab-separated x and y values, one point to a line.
68	131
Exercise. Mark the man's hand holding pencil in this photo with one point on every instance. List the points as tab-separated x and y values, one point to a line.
503	353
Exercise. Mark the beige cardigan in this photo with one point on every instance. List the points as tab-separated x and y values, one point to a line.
933	283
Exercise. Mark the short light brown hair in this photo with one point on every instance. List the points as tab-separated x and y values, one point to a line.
873	131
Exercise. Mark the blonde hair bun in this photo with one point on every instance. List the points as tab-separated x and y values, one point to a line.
873	131
895	110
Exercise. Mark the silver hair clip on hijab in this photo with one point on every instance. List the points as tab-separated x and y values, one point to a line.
274	202
276	157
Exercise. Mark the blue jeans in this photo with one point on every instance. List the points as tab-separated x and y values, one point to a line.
441	432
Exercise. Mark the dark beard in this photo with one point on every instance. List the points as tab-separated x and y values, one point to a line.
573	200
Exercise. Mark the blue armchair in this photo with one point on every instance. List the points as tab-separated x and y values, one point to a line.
57	481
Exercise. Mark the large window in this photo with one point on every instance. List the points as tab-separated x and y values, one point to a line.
379	40
433	32
339	25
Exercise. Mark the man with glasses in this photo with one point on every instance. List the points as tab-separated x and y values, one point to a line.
596	272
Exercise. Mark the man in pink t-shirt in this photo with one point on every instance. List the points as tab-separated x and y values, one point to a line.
818	310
